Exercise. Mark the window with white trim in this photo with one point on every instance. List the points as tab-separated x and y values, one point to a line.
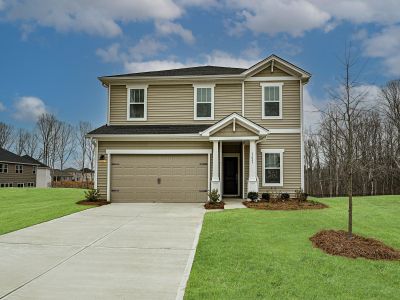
19	169
4	185
3	168
33	169
137	103
20	185
30	184
271	100
272	163
204	102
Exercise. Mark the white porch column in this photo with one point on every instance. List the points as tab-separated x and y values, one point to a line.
252	185
215	181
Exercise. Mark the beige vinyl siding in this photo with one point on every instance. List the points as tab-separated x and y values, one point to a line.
290	105
174	104
291	143
227	131
104	145
15	178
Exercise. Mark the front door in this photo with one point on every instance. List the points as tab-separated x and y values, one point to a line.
231	176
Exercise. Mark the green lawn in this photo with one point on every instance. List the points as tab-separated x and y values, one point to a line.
253	254
21	208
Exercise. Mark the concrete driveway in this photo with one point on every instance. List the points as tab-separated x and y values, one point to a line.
118	251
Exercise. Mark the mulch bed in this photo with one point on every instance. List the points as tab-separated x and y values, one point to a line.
214	205
97	203
291	204
335	242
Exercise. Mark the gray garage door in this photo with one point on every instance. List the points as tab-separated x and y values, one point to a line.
159	178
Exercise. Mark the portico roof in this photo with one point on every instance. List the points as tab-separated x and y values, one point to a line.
234	117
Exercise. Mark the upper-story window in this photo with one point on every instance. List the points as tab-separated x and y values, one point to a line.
271	100
204	102
3	168
272	162
137	103
19	168
33	169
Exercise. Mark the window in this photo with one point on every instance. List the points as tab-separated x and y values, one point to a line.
34	169
19	168
4	185
20	185
30	184
137	103
3	168
272	161
204	102
271	100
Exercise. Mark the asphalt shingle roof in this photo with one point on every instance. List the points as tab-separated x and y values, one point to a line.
193	71
150	129
7	156
34	161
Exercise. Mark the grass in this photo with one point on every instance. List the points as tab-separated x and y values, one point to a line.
21	208
253	254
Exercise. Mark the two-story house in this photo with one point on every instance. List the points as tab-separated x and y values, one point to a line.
173	135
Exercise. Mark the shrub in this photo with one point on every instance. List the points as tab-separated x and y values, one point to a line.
265	196
303	196
213	196
253	196
92	195
285	196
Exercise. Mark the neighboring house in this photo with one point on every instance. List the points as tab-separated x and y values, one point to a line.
173	135
22	171
71	174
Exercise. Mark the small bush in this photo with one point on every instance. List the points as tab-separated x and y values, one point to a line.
253	196
92	195
285	196
265	196
303	196
213	196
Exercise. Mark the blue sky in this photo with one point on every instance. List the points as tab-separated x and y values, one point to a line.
53	52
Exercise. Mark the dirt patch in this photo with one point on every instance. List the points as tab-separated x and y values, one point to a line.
214	205
335	242
97	203
292	204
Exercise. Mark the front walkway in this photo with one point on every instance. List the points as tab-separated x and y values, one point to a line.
118	251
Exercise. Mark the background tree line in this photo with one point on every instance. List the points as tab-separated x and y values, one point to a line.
356	136
51	141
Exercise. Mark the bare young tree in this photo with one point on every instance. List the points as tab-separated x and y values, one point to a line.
31	145
82	130
348	101
90	154
65	144
20	141
46	126
6	135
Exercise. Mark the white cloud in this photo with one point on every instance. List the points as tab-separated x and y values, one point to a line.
168	28
110	54
385	45
99	18
2	107
146	47
216	58
152	65
29	108
295	17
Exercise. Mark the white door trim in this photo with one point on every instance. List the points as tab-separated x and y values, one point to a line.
239	174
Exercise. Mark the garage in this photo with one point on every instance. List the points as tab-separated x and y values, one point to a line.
159	178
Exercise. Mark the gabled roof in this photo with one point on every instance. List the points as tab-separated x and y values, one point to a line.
200	70
211	72
259	130
34	161
7	156
148	129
